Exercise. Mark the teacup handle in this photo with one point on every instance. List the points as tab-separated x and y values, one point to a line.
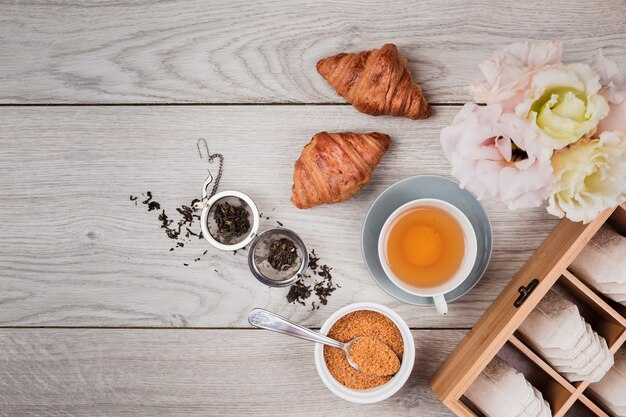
440	303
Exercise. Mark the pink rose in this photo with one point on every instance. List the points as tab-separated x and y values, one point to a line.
616	119
613	80
498	156
509	71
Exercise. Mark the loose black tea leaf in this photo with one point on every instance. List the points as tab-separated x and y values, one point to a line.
153	205
322	288
313	260
231	220
299	292
283	254
279	223
149	194
181	232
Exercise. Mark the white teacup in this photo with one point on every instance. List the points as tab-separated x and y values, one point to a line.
437	292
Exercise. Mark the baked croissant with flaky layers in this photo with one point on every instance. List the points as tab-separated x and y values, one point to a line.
333	167
376	82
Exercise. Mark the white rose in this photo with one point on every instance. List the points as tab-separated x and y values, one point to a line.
564	104
589	177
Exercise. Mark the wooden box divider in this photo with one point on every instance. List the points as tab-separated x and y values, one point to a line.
593	407
537	360
559	392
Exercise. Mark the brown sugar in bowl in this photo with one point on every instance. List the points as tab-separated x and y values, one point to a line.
366	389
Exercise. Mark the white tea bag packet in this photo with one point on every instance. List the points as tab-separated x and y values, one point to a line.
554	323
601	263
559	333
576	356
584	372
584	361
616	292
611	389
603	362
620	298
603	367
500	390
545	409
538	408
534	409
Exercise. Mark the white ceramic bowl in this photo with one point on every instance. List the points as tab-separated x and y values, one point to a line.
382	392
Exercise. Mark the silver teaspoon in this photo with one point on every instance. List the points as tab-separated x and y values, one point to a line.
267	320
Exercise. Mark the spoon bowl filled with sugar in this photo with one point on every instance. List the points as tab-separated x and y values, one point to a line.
365	354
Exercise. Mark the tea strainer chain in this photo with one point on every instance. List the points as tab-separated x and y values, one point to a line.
209	179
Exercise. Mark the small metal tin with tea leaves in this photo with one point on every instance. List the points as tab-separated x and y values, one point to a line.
261	267
240	210
217	232
210	228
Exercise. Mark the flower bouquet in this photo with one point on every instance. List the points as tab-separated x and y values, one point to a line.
550	130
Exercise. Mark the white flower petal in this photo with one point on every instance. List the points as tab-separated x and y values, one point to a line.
563	102
479	146
507	73
612	78
589	177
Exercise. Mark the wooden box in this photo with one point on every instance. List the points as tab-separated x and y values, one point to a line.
495	332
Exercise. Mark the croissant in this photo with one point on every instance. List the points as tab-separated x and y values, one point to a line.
376	82
333	167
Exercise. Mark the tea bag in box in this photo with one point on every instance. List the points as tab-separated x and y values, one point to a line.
611	389
554	324
601	264
556	329
501	391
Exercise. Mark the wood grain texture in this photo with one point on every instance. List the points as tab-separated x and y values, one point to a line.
152	373
76	252
265	51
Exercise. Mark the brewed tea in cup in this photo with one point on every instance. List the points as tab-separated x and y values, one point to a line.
428	247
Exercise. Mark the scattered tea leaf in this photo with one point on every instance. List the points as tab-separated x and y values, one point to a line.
299	292
322	288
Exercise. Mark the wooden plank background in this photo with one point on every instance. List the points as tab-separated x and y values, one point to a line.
102	100
86	372
87	256
265	51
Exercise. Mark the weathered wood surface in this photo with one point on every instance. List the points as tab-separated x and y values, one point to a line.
76	252
124	372
265	51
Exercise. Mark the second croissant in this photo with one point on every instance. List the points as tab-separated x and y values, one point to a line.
333	167
376	82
